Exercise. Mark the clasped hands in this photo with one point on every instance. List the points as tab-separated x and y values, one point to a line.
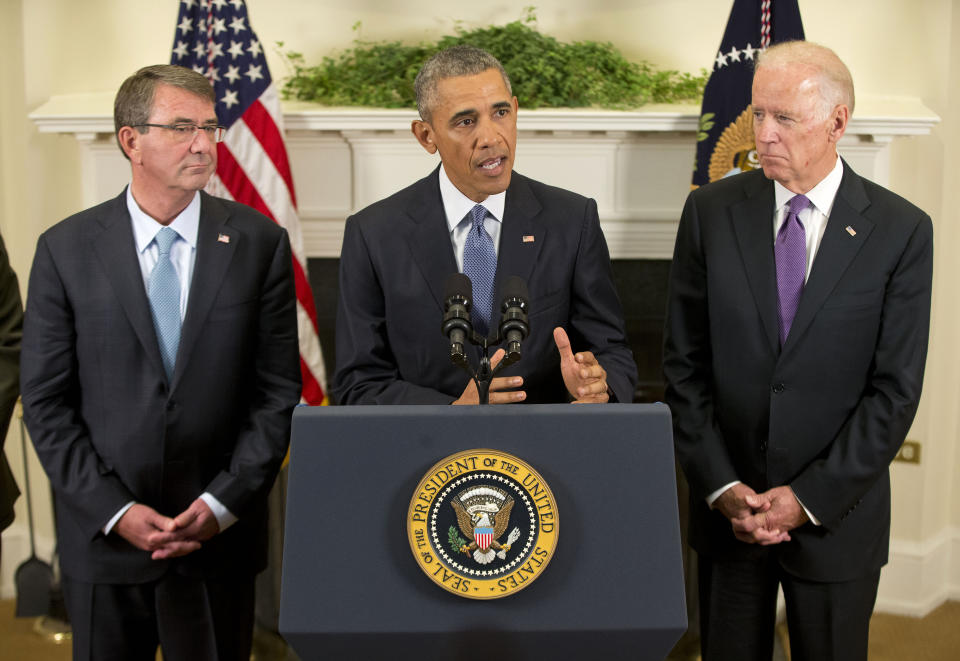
766	518
584	377
167	537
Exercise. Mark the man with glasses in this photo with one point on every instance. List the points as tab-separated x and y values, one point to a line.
159	371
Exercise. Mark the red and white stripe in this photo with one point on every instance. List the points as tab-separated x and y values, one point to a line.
253	168
765	24
483	539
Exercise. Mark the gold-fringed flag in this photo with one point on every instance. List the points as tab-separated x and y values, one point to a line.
725	137
214	37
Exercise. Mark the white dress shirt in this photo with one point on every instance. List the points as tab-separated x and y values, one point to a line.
183	250
814	219
183	254
457	208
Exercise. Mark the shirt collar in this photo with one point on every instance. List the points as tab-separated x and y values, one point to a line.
145	228
822	195
456	205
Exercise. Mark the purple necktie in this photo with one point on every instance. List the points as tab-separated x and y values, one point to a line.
790	250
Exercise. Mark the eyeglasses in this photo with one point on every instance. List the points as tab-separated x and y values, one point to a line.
187	132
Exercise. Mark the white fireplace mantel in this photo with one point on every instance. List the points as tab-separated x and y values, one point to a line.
637	164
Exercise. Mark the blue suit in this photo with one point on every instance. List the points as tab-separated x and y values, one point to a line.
396	257
110	428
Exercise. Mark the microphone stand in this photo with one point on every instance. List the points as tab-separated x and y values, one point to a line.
485	373
456	326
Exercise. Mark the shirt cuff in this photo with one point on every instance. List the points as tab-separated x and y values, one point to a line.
712	498
225	518
116	517
810	515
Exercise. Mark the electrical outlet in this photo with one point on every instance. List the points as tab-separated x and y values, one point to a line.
909	452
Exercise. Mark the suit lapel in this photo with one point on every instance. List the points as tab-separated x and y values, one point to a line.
522	235
116	249
837	249
752	221
427	236
210	267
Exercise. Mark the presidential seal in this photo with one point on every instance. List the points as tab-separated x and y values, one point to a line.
482	524
735	151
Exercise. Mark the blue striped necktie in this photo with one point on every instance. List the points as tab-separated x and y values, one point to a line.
164	295
480	265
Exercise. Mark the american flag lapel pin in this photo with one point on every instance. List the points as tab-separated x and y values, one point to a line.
528	238
851	231
223	238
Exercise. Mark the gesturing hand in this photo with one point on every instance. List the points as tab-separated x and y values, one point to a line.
499	392
584	377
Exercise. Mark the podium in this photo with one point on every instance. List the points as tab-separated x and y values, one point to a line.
352	588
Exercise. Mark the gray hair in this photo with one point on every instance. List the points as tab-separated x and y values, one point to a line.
134	101
832	76
452	62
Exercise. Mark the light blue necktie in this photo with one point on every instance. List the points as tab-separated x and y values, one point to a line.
164	294
480	265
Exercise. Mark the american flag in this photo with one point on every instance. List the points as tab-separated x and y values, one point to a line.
214	37
725	143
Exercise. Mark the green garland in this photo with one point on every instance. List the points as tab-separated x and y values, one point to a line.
544	72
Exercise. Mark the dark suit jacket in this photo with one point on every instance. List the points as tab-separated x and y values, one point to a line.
107	425
827	413
396	258
11	327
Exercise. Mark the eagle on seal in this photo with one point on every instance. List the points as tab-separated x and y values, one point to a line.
483	514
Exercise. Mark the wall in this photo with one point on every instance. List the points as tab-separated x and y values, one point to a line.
897	47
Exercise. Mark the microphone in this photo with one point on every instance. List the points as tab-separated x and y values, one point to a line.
456	326
513	323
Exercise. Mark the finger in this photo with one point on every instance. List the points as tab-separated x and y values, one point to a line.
750	524
741	492
191	532
159	539
160	522
592	388
148	517
497	357
775	536
597	398
586	358
174	550
602	398
507	397
506	383
184	519
777	539
757	503
563	343
594	371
